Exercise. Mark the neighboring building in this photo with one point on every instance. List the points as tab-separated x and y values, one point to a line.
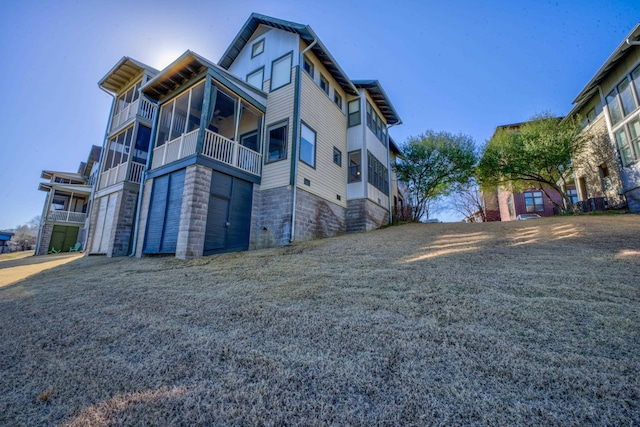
5	237
609	104
64	216
533	200
272	144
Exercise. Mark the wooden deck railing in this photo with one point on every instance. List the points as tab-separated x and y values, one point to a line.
225	150
67	216
176	149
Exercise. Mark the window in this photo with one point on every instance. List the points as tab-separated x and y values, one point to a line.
375	123
634	132
128	97
180	115
628	103
257	48
324	84
337	156
354	113
635	76
378	174
281	72
624	147
277	142
250	140
256	78
119	148
337	99
307	66
590	117
355	173
308	145
614	107
573	195
533	201
141	148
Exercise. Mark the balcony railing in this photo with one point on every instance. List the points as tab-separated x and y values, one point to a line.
117	174
176	149
224	150
129	112
67	216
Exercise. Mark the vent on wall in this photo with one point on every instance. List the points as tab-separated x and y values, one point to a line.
307	182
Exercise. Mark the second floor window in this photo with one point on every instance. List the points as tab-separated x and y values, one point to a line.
324	84
277	142
119	148
308	145
256	78
281	72
307	66
128	97
180	115
354	113
355	172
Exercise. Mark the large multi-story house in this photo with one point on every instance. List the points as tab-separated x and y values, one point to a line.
609	104
272	144
64	220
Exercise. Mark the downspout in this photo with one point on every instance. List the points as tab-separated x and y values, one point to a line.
294	175
633	43
143	178
95	184
389	171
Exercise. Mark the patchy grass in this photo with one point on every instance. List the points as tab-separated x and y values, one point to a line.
524	323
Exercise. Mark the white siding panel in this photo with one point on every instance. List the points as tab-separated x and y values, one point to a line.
320	113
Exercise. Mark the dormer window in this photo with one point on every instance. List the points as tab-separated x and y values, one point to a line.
257	48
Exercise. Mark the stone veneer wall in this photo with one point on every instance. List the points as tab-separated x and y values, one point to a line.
317	217
144	210
123	226
193	213
270	217
365	215
45	239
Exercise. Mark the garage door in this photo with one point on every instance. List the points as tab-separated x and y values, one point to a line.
63	237
229	214
163	220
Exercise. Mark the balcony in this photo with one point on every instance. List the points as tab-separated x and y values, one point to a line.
215	147
67	216
145	111
119	174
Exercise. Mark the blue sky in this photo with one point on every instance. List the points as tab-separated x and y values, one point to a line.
463	67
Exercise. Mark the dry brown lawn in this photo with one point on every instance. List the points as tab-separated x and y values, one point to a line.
523	323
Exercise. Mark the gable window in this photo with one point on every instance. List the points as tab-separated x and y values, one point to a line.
257	48
628	103
353	108
308	145
355	173
281	72
614	107
256	78
324	84
533	201
337	156
337	99
307	66
277	142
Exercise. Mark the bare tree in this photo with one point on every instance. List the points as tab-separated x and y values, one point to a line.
467	200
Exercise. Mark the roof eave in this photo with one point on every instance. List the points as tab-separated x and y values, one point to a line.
113	82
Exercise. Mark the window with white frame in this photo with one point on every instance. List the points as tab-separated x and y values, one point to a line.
324	84
375	123
533	201
353	108
308	145
634	133
615	112
626	97
623	145
180	115
256	78
307	66
128	97
257	48
119	148
281	72
276	142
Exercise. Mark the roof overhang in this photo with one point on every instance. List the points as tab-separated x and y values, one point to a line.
47	174
611	62
67	188
190	65
381	99
122	73
304	31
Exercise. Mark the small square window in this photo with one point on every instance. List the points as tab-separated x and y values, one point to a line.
257	48
324	84
307	66
337	99
337	156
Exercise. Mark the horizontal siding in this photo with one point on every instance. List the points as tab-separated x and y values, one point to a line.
279	107
320	113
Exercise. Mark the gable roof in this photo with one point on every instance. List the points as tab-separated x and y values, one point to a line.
122	73
601	74
304	31
190	65
381	99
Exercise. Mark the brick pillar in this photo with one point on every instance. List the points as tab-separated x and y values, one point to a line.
193	214
123	225
144	211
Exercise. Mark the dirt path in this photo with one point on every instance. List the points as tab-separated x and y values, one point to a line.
14	270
